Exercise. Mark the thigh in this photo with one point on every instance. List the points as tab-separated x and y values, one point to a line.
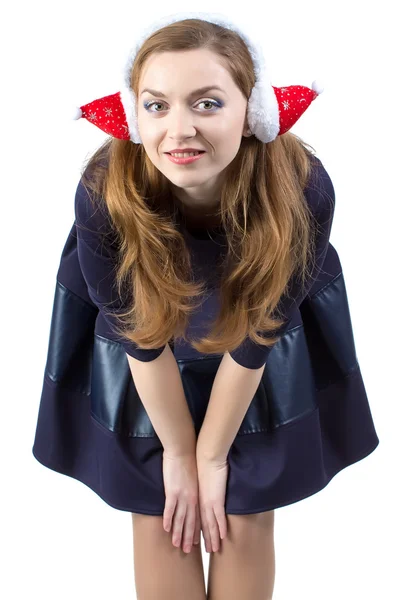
244	566
161	569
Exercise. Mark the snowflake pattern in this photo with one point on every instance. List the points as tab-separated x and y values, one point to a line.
292	100
108	114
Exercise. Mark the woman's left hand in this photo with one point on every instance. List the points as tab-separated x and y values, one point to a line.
212	476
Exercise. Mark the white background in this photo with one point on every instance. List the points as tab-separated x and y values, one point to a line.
58	538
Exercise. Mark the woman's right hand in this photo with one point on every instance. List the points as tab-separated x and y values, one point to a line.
181	512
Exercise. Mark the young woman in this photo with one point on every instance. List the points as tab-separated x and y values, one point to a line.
202	369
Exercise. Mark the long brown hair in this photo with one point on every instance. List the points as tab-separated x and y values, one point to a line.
264	214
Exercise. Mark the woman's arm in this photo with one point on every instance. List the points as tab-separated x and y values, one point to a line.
160	388
240	371
155	372
233	389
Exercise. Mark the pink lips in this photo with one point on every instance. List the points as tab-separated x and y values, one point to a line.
184	161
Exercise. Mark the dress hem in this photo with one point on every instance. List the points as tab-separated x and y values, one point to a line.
142	511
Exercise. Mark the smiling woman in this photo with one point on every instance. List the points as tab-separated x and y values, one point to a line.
213	374
185	122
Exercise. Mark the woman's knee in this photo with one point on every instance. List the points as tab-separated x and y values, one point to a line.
247	530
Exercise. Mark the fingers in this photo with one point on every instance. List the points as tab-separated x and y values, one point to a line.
214	527
185	520
169	509
197	530
189	528
221	520
177	528
210	529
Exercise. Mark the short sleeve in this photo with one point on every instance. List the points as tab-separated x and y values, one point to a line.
320	195
98	258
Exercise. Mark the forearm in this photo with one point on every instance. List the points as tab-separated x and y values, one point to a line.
160	389
233	389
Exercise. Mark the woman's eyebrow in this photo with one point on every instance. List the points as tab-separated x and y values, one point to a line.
202	90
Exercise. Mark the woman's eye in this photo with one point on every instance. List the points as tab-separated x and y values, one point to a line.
213	102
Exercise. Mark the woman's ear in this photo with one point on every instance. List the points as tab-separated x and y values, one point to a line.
246	131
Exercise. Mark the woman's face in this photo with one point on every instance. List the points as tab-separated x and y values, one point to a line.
214	121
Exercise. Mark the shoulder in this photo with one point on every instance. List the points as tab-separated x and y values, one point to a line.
320	191
92	219
90	207
91	211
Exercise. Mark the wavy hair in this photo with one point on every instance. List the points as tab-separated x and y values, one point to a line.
264	214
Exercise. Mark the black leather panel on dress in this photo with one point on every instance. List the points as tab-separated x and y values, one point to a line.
318	350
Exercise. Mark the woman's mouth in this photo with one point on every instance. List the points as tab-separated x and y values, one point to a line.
185	158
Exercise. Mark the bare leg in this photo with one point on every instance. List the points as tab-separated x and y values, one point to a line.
244	566
162	571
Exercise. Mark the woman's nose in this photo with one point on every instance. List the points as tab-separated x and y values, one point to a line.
181	124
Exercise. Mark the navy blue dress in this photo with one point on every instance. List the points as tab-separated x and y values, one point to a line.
309	419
